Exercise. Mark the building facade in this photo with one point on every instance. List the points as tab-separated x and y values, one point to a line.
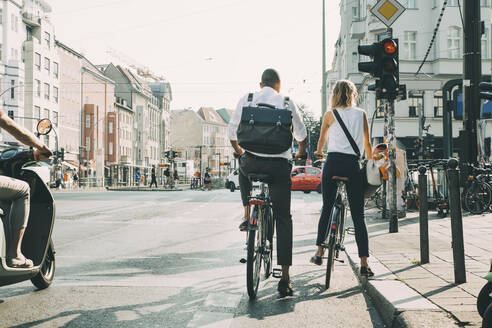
13	35
414	29
42	69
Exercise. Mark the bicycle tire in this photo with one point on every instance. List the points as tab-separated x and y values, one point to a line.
478	197
254	259
331	248
269	226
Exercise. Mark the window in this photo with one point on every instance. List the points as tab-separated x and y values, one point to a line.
454	42
12	22
88	144
409	45
313	171
438	111
110	148
355	13
87	121
415	102
0	43
411	4
37	83
47	38
12	89
16	25
55	69
55	94
485	44
37	112
110	128
1	16
55	118
37	61
46	91
47	64
46	113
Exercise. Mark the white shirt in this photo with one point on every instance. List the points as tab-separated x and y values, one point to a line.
268	96
354	121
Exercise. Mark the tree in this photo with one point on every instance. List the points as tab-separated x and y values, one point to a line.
313	127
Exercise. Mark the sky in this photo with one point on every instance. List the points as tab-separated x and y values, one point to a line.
211	51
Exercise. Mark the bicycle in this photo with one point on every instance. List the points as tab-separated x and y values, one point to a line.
477	195
260	235
335	233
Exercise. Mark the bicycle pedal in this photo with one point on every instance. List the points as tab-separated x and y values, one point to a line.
277	273
350	231
243	261
342	248
340	261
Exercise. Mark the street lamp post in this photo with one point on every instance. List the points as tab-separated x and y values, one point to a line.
323	73
219	163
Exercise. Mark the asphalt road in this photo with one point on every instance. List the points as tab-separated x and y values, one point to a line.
171	259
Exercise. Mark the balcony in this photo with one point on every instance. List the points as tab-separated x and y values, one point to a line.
358	30
31	19
375	25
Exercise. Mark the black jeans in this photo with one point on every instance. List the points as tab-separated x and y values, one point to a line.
153	181
344	165
279	169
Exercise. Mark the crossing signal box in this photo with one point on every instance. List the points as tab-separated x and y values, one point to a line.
374	51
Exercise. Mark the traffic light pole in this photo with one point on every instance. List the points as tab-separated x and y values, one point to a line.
393	226
472	73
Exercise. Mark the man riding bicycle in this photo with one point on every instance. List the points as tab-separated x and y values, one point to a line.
18	193
276	166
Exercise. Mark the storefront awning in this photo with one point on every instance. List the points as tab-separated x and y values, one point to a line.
70	165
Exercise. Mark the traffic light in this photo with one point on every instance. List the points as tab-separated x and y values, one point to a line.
390	77
62	154
11	114
375	51
167	154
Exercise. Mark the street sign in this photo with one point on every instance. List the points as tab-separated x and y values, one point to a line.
387	11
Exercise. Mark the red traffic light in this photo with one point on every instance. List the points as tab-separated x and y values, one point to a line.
389	47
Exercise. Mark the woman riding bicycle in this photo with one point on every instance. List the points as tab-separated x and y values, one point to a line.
342	161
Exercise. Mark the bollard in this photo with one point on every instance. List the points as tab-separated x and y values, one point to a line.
456	222
424	216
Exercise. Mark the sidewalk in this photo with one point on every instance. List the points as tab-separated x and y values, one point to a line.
412	295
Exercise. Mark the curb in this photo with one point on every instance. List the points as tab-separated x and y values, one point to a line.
141	189
399	305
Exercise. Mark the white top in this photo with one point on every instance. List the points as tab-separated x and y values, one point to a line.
268	96
354	121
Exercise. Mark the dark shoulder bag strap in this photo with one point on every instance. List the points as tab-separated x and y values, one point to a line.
347	133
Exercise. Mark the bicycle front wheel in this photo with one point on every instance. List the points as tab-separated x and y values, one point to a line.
478	197
255	254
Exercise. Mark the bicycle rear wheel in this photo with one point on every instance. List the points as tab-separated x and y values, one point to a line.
332	242
269	228
255	245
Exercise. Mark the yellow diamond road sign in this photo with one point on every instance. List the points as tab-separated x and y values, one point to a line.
387	11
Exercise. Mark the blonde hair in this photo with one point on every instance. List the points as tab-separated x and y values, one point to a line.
343	95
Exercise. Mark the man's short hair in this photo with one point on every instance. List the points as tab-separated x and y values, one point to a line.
270	77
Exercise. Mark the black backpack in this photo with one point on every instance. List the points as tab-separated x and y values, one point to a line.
265	129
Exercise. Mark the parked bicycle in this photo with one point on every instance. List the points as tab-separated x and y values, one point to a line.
477	195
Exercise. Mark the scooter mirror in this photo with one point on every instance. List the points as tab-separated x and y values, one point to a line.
44	126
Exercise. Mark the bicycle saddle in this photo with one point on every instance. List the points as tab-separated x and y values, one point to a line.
337	178
254	177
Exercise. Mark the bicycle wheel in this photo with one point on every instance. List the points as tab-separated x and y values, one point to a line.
478	197
269	228
331	245
254	258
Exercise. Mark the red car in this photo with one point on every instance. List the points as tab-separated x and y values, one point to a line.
306	178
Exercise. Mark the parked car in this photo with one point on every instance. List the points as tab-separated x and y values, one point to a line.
306	178
232	181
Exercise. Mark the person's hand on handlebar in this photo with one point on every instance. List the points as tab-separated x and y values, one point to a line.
42	153
319	154
300	155
238	153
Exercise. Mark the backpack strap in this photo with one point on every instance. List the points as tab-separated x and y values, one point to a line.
250	97
286	102
347	133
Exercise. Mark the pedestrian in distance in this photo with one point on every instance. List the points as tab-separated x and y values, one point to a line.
176	178
342	161
58	178
276	165
207	180
153	179
75	179
167	177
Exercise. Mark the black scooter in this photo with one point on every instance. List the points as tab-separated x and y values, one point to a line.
37	244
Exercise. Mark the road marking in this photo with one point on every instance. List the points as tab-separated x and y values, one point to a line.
223	300
211	320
